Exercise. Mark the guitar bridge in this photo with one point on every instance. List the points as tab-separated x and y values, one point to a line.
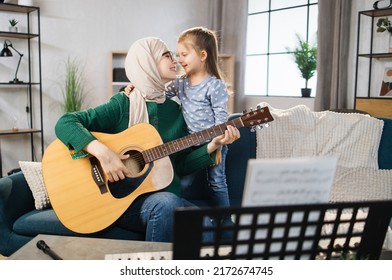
96	173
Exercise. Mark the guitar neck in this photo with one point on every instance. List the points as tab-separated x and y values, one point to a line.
188	141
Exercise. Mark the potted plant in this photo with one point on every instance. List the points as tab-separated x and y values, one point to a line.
13	22
384	24
305	56
73	91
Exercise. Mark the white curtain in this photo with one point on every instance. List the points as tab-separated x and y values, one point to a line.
332	54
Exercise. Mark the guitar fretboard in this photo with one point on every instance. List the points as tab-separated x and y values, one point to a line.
188	141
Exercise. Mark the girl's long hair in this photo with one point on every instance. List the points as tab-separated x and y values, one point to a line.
202	38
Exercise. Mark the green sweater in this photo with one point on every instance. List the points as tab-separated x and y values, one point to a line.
73	129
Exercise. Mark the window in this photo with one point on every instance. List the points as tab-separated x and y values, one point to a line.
272	28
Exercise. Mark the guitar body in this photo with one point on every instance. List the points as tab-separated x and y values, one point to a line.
79	192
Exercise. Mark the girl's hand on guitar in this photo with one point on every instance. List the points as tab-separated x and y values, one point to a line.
231	134
111	162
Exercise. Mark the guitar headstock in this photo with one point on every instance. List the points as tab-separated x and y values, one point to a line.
256	118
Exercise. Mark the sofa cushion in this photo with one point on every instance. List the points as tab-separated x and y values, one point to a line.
46	222
369	184
32	171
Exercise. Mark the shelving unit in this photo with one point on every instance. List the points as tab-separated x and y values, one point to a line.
32	52
371	103
116	61
226	61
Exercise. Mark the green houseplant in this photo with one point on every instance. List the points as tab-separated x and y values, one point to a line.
384	24
73	91
13	22
305	56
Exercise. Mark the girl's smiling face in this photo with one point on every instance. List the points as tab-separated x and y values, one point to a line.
191	60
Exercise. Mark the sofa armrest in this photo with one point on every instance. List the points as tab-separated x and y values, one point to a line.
16	199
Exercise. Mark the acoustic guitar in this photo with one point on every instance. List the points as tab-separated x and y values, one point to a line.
79	191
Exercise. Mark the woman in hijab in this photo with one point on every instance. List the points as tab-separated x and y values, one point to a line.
149	65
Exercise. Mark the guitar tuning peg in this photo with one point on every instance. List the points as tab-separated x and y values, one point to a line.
244	112
259	126
252	129
267	125
258	107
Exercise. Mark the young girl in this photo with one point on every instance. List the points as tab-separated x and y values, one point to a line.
203	97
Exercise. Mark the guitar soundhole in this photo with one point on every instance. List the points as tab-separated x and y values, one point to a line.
135	163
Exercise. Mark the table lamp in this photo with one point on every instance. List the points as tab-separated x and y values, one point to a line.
7	52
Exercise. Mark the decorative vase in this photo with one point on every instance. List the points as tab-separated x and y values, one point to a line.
13	29
306	92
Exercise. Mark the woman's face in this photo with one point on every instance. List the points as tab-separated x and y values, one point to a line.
167	67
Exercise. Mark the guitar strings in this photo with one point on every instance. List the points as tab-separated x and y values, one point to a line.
175	145
138	160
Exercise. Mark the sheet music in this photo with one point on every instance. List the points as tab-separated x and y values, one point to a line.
285	182
288	181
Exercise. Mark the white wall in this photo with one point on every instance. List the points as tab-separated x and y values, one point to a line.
87	30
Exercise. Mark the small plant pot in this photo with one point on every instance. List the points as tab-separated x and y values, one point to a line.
13	29
306	92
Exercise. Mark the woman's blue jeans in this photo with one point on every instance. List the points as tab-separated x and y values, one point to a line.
154	214
218	192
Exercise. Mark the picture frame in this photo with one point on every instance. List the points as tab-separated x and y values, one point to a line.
386	83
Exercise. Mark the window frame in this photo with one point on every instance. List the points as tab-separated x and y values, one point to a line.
269	54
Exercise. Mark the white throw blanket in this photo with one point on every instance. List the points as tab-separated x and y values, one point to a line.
353	138
299	132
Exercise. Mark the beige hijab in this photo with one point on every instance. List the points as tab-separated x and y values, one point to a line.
141	69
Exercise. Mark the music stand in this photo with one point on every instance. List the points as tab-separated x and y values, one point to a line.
314	231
